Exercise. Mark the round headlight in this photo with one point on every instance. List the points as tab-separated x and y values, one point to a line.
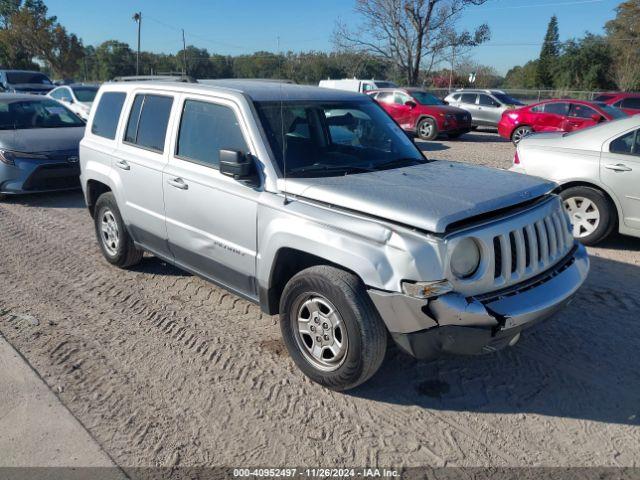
465	258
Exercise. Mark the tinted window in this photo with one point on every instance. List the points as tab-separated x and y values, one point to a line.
385	85
487	101
27	77
400	98
148	121
206	128
602	98
631	103
556	108
537	108
105	120
468	98
582	111
424	98
61	94
613	112
85	94
626	144
507	100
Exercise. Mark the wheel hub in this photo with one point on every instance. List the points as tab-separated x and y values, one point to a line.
110	233
584	215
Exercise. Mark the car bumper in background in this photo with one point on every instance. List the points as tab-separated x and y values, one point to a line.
28	176
452	323
504	130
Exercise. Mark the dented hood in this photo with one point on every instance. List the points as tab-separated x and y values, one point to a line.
429	196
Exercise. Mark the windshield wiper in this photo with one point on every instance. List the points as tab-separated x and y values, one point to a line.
400	162
331	169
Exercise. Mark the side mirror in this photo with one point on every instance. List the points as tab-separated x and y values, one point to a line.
410	104
236	164
596	118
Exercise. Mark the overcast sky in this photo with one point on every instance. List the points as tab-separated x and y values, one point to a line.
244	26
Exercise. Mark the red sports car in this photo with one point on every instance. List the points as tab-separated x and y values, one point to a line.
563	115
422	113
627	102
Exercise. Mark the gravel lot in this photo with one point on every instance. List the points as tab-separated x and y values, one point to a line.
166	369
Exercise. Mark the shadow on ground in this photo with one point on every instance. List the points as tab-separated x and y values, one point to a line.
582	364
67	199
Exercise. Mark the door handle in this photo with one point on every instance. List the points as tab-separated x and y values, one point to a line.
178	183
123	164
618	167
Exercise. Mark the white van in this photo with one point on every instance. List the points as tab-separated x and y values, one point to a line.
356	85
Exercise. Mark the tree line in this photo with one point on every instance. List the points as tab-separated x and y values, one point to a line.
593	62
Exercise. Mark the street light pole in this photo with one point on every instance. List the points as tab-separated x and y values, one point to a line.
137	17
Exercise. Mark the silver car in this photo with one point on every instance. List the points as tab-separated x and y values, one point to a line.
598	170
315	205
39	141
485	106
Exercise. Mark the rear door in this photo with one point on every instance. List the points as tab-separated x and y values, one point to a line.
138	164
551	117
580	116
620	171
403	112
211	218
468	103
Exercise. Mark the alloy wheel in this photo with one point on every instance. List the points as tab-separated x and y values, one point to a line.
110	233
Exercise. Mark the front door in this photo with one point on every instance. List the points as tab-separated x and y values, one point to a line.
580	116
489	110
620	171
138	166
211	218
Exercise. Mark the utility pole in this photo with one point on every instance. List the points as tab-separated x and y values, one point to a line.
184	55
453	59
137	17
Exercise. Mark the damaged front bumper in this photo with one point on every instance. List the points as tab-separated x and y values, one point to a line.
456	324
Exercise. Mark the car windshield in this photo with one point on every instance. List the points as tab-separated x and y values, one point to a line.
602	98
425	98
85	94
321	139
613	112
507	100
26	114
27	77
385	84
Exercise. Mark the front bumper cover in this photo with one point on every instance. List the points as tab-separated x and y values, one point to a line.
456	324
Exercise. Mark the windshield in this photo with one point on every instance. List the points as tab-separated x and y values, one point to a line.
26	114
321	139
602	98
385	84
424	98
507	100
85	94
613	112
27	77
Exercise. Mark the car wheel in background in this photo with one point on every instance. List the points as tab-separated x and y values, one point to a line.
519	133
114	239
591	213
427	129
330	327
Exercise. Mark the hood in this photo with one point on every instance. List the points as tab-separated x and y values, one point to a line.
430	196
30	87
41	140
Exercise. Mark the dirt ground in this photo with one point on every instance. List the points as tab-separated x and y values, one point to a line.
166	369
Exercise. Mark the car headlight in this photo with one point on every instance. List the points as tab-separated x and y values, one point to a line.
9	158
465	258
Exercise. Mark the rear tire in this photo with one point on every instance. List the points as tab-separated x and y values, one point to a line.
519	133
591	213
427	129
331	328
115	242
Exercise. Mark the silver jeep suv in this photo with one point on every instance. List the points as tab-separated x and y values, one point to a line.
315	205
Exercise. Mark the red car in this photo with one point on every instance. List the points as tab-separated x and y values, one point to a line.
627	102
563	115
422	113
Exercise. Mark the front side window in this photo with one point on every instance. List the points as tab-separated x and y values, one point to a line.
559	108
343	137
627	144
148	120
400	98
28	114
105	120
582	111
206	128
386	97
486	101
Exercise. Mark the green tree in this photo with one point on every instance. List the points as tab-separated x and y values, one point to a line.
623	35
523	76
585	64
113	59
548	55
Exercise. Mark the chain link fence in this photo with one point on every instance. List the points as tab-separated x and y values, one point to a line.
530	96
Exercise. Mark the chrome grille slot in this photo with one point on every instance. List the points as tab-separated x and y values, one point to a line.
518	248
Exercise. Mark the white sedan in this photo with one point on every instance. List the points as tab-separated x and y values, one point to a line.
77	97
598	173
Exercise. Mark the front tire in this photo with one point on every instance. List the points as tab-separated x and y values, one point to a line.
427	129
115	242
591	214
330	327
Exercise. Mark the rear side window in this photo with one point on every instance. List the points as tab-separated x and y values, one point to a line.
205	129
468	98
148	120
632	102
557	108
105	120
